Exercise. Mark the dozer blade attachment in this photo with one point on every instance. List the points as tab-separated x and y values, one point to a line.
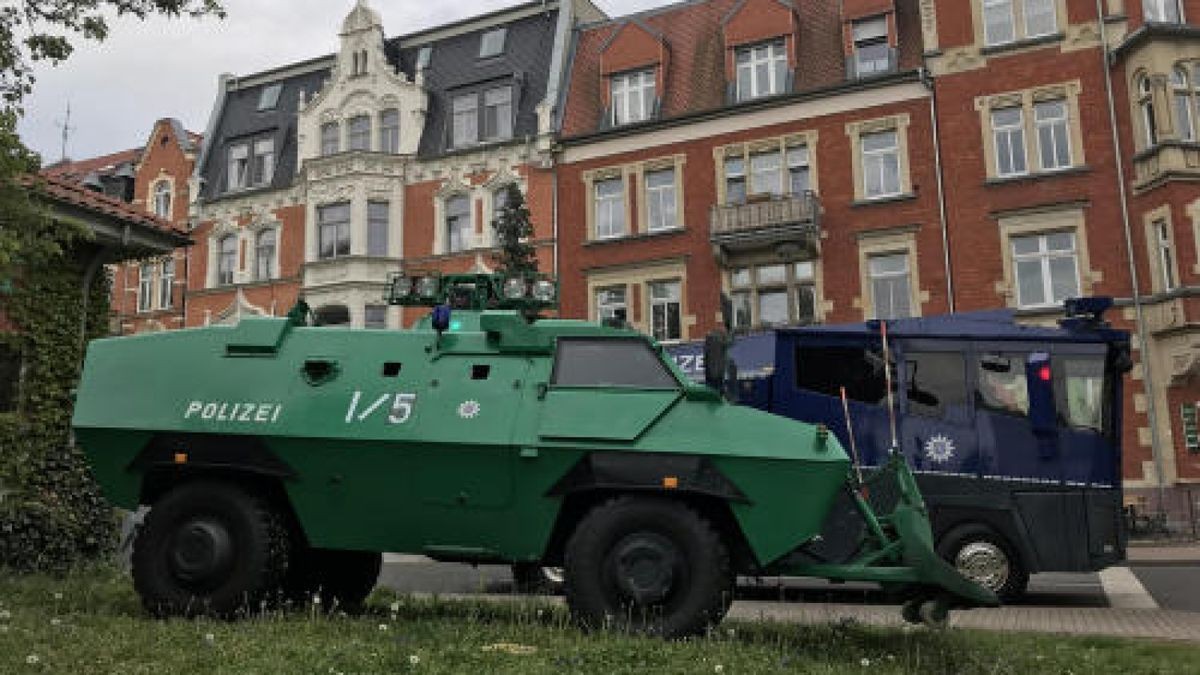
899	552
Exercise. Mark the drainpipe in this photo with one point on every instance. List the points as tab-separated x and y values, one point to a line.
927	80
89	275
1139	309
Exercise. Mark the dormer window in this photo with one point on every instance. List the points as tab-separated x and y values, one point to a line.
633	97
1162	11
269	98
162	199
492	43
872	54
251	164
239	167
424	57
762	70
482	116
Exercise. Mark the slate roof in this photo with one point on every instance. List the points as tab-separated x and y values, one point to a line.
696	80
105	164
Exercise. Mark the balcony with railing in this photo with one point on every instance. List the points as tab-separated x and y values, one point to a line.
760	223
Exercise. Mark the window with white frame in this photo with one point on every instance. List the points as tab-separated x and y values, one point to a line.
891	286
497	114
1053	134
762	70
766	173
775	294
329	138
610	208
145	287
799	172
333	231
1183	98
633	97
660	200
1046	268
1008	130
880	164
872	54
612	306
1146	107
458	224
264	162
1162	11
162	199
735	180
358	133
375	317
1041	18
424	57
492	43
389	131
264	254
1161	230
238	176
465	111
999	25
166	283
1000	20
226	259
268	99
377	228
666	310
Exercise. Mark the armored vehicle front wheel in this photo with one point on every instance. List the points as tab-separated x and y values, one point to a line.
648	565
209	548
988	559
338	579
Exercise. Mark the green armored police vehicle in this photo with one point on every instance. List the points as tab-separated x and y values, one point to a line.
279	460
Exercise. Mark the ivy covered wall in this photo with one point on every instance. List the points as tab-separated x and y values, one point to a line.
52	514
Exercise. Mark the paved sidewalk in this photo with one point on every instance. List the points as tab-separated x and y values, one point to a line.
1176	554
1155	624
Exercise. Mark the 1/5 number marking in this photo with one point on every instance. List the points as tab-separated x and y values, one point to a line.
401	410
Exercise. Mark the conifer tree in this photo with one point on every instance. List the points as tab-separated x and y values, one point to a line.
514	230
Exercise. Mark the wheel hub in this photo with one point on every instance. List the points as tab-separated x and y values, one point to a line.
645	566
201	552
984	563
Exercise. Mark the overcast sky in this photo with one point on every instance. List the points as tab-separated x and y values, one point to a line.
145	71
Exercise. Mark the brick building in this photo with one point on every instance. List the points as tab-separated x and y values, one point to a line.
830	162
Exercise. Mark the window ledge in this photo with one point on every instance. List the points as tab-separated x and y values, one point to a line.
989	50
1026	177
640	236
907	196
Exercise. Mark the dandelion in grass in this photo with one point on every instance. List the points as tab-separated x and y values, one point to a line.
5	615
32	659
395	607
414	660
56	621
718	668
209	639
383	627
866	663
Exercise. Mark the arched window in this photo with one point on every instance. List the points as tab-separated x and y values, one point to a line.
226	259
264	255
1146	106
1181	92
162	199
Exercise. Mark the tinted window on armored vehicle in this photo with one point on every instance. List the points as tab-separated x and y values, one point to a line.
935	382
1002	385
1081	396
825	370
610	363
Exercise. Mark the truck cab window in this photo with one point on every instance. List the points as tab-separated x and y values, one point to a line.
825	370
1002	385
1080	392
935	383
610	363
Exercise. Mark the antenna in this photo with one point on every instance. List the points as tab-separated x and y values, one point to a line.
66	127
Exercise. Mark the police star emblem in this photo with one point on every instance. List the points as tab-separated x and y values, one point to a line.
939	449
469	410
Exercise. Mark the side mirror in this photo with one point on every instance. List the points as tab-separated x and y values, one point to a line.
716	360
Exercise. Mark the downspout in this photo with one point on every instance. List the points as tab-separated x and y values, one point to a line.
927	80
1143	335
89	275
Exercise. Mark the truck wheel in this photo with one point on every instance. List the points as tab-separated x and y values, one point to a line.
985	557
209	548
340	579
650	566
534	579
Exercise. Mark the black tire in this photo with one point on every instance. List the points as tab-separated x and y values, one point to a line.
648	566
970	548
342	580
209	548
535	579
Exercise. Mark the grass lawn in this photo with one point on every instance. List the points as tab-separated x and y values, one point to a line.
92	622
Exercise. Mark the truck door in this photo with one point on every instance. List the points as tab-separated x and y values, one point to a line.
1007	445
937	427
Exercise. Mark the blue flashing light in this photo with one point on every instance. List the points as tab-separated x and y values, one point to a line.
441	318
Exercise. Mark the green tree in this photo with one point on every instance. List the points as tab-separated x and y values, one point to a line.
513	231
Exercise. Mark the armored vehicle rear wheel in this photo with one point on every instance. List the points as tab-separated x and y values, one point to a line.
209	548
339	579
648	565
